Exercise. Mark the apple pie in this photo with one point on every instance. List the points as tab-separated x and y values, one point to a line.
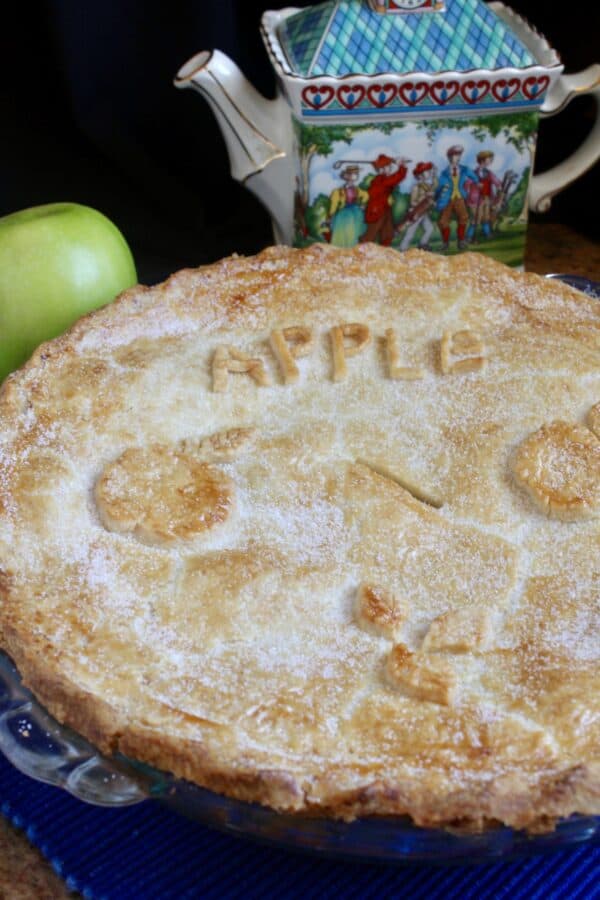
320	529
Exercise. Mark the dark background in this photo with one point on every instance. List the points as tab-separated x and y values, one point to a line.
89	114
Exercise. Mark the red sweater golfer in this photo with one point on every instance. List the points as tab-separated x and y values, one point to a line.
378	212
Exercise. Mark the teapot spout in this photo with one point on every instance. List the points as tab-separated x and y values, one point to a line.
247	120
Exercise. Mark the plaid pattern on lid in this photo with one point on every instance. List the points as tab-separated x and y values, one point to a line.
343	37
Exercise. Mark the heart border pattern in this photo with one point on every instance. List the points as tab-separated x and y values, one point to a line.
505	89
443	92
412	92
535	87
351	95
475	91
375	91
318	97
364	96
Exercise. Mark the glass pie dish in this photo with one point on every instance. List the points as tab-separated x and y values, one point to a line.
46	751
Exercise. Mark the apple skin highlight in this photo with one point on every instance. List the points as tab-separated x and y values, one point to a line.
57	262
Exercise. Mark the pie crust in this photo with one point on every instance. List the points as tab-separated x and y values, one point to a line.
320	529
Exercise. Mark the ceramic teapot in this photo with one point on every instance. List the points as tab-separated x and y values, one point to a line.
407	122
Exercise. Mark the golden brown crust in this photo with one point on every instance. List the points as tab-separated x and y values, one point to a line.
262	526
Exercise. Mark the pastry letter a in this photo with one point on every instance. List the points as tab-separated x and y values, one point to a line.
228	359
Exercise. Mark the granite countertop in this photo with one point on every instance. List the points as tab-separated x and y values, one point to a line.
559	248
24	873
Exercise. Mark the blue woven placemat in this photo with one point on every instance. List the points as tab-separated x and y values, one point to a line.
146	851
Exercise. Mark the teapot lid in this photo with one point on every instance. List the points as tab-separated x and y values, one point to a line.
373	37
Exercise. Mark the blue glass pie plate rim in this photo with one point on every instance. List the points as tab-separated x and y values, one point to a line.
46	751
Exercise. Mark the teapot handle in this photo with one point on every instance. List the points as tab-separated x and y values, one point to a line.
544	186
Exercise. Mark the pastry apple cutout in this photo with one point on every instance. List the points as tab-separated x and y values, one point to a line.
161	494
559	467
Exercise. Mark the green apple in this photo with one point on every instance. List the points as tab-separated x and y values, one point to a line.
57	262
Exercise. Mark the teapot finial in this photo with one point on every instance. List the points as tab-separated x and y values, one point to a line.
406	6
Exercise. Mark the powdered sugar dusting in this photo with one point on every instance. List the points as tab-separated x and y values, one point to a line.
251	627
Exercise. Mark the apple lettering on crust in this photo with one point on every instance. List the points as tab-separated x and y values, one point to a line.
347	340
461	352
228	360
396	370
288	344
